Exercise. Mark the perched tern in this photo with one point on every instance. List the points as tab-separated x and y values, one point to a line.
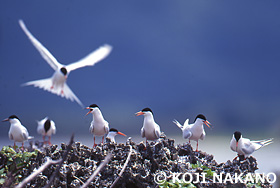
244	146
57	83
194	131
17	132
112	133
99	126
46	127
150	129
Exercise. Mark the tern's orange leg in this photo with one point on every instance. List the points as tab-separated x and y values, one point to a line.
102	139
49	141
44	139
14	145
94	142
196	146
22	147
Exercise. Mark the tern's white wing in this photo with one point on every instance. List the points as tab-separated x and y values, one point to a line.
92	58
53	127
248	147
178	124
68	94
157	131
142	132
261	143
43	51
186	123
46	84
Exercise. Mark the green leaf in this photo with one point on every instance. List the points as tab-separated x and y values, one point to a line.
2	181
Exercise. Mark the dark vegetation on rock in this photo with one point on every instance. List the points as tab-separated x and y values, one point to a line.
144	163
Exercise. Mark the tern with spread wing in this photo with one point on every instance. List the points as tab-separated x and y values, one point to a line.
99	126
57	83
150	129
194	131
244	146
17	132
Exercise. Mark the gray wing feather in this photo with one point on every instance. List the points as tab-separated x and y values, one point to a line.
187	134
142	132
157	131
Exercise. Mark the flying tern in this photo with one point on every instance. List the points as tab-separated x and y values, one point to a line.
244	146
194	131
57	83
17	132
150	129
46	127
112	133
99	126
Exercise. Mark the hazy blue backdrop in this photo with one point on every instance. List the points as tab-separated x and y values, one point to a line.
179	57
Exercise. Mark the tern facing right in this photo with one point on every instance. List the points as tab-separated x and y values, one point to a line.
150	129
194	131
112	133
244	146
99	126
46	127
17	132
57	83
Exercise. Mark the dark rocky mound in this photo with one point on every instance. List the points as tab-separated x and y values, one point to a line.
144	164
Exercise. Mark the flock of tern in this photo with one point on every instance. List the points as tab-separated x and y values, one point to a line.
99	126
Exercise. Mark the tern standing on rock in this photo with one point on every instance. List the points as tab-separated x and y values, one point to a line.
17	132
150	129
244	146
99	126
194	131
112	133
46	127
57	83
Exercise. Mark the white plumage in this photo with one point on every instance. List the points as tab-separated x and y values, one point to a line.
46	127
194	131
17	132
244	146
99	126
150	129
57	83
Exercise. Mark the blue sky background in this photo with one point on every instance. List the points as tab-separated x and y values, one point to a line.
180	58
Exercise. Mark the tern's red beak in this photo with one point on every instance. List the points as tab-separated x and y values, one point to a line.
207	123
7	119
89	110
139	113
236	145
120	133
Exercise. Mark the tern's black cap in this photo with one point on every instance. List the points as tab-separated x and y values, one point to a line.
63	70
237	135
94	106
200	116
13	117
47	125
147	110
113	130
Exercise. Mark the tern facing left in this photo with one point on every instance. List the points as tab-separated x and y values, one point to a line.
57	83
194	131
17	132
244	146
46	127
150	129
99	126
112	133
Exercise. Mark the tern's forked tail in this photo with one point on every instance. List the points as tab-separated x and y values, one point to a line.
46	84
